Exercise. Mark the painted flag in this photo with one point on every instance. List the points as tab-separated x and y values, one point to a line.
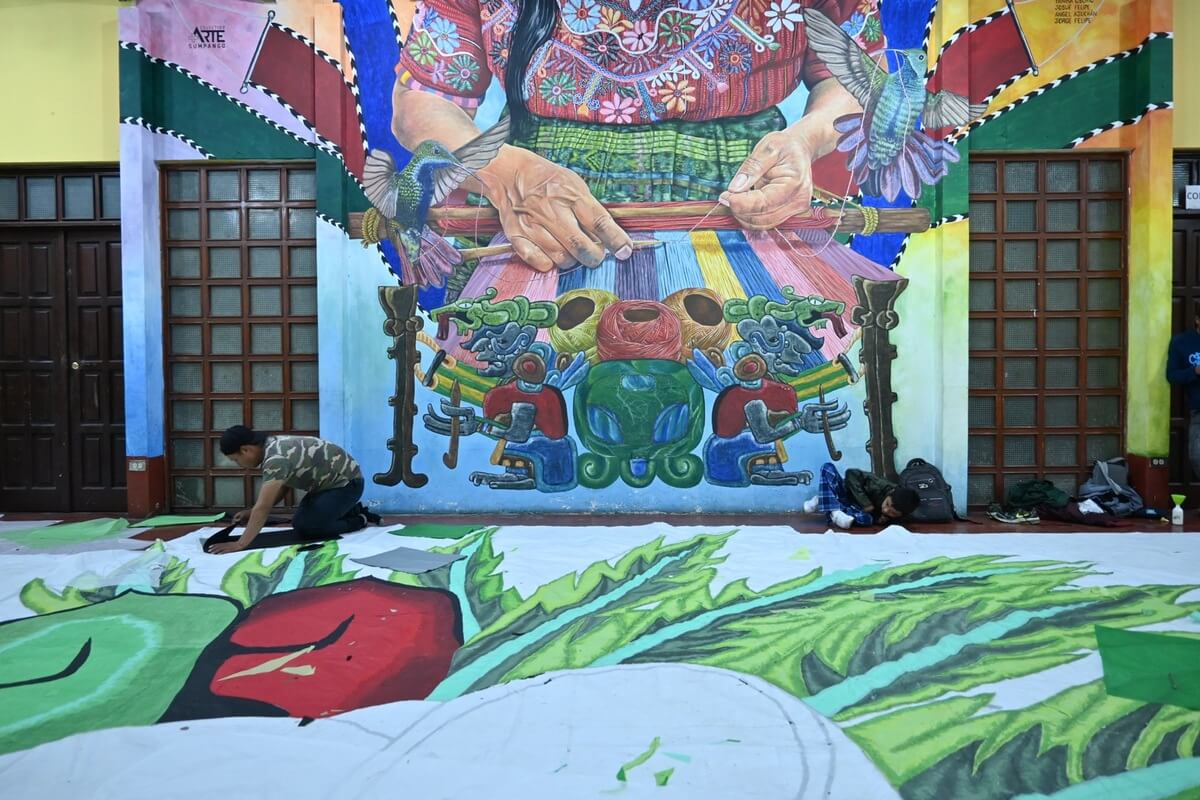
983	57
309	82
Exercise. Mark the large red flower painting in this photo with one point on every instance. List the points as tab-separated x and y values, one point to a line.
321	651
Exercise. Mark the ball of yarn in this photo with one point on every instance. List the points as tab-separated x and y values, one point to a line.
633	329
702	321
579	313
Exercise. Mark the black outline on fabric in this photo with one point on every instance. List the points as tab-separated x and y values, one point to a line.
195	700
70	669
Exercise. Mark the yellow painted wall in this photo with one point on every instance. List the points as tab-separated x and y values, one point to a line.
1187	88
58	81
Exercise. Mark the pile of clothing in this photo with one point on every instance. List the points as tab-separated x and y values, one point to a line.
1104	501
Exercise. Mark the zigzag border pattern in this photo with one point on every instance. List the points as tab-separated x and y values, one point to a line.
223	94
937	223
309	43
142	123
350	84
335	223
395	25
929	27
1121	123
965	130
958	34
322	142
362	126
899	254
947	220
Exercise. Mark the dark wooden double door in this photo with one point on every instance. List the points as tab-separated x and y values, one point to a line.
62	404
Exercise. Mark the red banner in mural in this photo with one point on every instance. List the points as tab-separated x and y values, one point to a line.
310	83
983	56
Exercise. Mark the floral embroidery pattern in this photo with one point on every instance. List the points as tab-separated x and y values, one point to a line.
610	62
444	34
423	50
639	37
618	110
784	14
677	95
736	57
462	72
675	29
603	48
558	89
581	16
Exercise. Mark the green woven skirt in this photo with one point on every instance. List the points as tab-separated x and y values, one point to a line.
664	162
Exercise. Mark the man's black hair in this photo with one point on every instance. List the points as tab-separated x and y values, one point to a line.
905	500
233	439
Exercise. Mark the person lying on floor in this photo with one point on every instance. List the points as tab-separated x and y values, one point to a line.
863	498
331	479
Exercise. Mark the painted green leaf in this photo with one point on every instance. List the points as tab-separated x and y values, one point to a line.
250	579
112	663
151	571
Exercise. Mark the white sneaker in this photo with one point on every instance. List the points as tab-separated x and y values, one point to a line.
841	519
810	505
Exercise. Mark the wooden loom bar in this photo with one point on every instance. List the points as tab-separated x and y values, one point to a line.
643	217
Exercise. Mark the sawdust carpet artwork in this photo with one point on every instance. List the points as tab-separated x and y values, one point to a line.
652	660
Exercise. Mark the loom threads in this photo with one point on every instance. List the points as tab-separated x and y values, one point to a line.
579	312
635	329
702	323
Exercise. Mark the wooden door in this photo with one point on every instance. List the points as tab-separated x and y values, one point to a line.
1185	304
95	370
34	430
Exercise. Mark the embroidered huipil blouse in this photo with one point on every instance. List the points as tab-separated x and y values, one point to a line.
632	61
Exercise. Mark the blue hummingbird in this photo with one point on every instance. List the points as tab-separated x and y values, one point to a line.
887	152
403	198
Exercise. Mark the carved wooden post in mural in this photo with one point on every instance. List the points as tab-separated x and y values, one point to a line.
402	324
876	315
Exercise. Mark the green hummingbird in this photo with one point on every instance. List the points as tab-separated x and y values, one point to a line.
403	198
887	152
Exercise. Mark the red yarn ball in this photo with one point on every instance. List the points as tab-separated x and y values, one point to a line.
634	329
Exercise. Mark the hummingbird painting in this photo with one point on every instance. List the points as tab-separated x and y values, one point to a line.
403	198
887	151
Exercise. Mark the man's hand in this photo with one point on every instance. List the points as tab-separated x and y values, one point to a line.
240	517
229	547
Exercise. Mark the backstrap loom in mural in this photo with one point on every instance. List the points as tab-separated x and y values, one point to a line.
657	251
735	661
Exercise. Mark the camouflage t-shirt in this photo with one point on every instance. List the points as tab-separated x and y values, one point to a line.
308	463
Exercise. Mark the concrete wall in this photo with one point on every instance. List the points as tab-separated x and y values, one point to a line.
58	71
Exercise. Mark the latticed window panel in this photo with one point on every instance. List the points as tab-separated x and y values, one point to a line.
240	317
1047	317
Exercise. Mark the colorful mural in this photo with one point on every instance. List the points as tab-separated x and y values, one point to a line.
693	661
662	256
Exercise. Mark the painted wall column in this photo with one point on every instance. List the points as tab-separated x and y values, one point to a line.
142	301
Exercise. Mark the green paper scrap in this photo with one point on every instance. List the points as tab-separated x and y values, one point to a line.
661	778
168	519
678	757
436	531
642	759
68	533
800	555
1151	667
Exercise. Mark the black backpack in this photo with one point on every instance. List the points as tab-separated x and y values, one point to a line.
937	499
